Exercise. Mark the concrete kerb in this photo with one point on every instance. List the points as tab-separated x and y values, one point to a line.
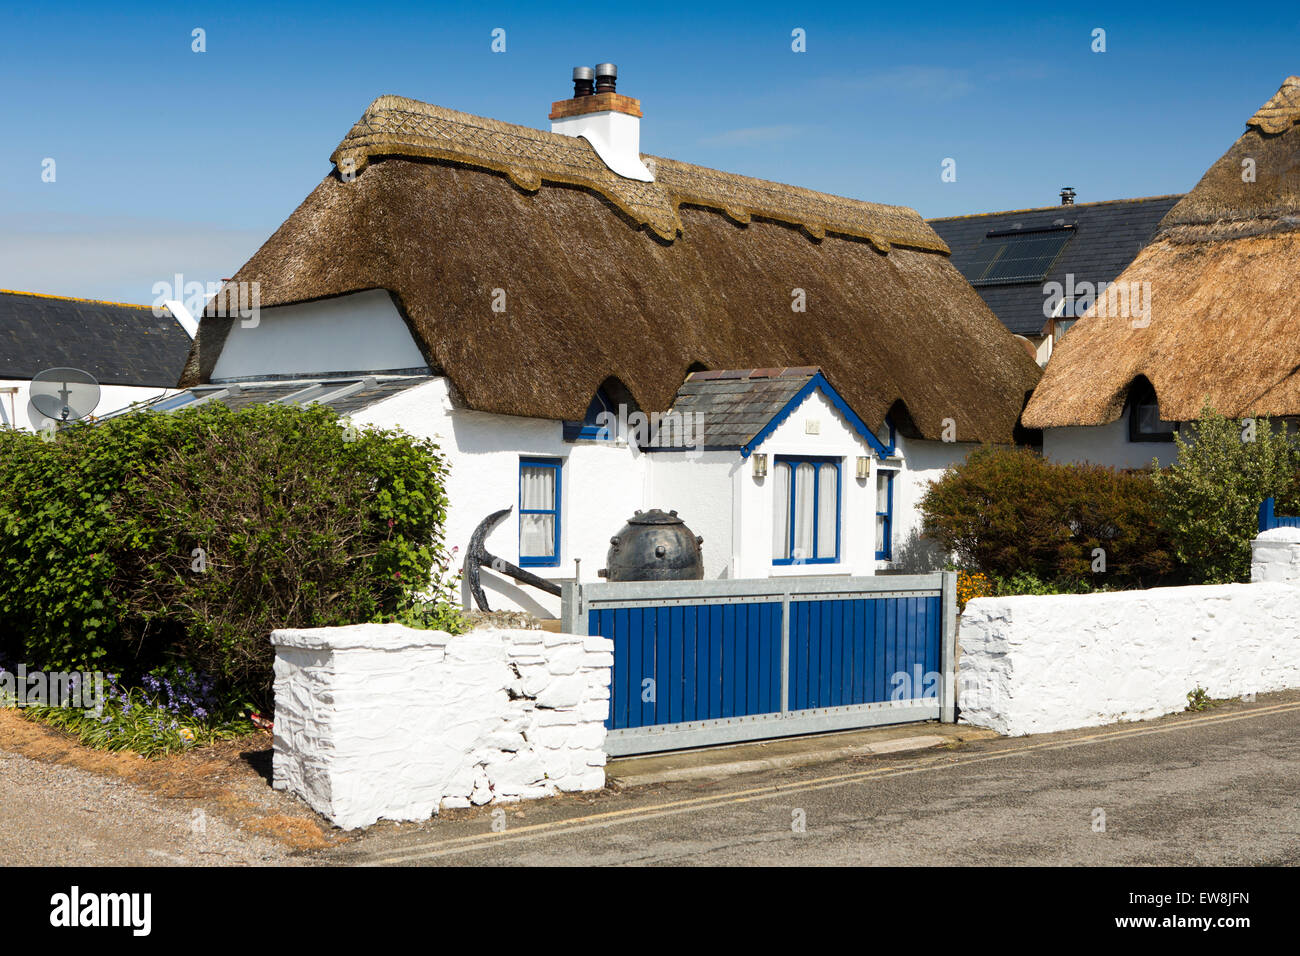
711	763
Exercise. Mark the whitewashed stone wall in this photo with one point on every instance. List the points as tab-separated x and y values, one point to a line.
380	721
1036	664
1274	556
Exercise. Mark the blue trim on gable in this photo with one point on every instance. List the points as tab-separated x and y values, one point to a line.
818	383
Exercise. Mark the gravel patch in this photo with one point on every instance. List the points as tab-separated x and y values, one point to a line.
55	815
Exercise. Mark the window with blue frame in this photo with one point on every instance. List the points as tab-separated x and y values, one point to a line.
806	498
539	512
600	423
885	514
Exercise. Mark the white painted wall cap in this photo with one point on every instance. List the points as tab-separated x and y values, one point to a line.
1280	535
380	637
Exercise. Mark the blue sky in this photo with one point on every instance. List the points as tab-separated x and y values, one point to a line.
173	161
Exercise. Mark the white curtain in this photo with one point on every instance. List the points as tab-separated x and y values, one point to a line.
804	476
828	499
537	532
882	508
781	511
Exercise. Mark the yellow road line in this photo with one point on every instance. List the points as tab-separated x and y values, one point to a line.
736	797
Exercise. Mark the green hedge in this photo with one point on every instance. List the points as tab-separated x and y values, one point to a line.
152	537
1210	498
1013	515
1009	512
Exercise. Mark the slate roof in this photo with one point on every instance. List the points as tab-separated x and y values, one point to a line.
734	405
118	344
1107	237
338	393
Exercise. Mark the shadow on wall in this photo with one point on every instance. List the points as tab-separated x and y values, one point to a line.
918	555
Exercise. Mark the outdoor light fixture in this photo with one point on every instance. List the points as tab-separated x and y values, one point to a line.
864	467
760	466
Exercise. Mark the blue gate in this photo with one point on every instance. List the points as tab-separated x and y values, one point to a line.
1269	520
700	662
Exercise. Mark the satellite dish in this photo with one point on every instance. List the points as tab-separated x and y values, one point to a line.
64	394
39	421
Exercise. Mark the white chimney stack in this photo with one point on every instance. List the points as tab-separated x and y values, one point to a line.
609	121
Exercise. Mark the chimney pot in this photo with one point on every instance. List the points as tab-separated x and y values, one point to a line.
583	77
606	77
1067	195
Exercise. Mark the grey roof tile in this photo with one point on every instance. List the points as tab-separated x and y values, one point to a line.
118	344
1108	236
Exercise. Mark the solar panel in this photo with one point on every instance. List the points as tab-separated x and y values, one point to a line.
1017	255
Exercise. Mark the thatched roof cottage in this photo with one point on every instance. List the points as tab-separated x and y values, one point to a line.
1208	312
522	287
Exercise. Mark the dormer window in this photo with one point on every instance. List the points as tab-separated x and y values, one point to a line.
600	423
1144	422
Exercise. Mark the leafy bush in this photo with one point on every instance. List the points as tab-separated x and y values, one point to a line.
1022	582
1211	495
1008	511
191	535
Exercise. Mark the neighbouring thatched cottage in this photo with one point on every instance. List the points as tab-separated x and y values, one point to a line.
1208	312
588	331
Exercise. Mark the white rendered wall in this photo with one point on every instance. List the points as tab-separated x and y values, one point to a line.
1035	664
924	462
699	488
362	332
1104	445
379	721
112	398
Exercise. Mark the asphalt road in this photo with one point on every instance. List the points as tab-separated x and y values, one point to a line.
1217	787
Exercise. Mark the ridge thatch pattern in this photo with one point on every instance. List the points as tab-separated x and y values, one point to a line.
1223	275
396	126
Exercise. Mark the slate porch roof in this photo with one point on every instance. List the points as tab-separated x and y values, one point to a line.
118	344
737	408
1107	237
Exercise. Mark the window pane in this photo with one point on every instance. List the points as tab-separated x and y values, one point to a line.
537	488
804	476
880	533
1149	422
537	536
882	492
781	511
828	495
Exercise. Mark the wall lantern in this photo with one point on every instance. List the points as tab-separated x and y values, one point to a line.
864	467
760	466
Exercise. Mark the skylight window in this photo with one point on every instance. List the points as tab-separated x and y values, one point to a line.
1017	255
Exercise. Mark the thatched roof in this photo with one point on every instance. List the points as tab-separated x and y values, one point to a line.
1224	275
607	277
